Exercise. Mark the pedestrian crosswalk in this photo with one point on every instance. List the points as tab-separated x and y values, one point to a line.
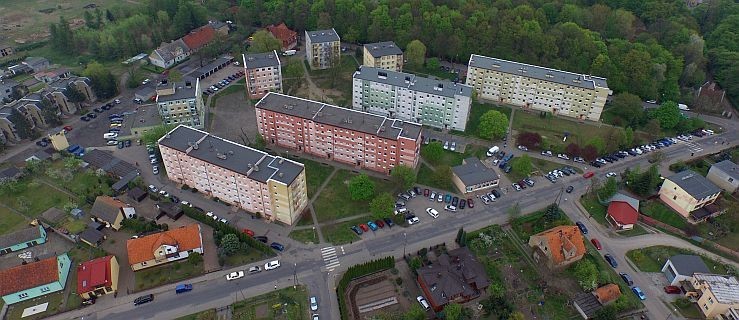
330	258
694	146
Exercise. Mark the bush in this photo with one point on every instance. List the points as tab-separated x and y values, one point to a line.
223	229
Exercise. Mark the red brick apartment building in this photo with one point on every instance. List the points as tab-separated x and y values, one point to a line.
344	135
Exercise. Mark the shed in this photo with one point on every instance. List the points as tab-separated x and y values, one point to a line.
137	194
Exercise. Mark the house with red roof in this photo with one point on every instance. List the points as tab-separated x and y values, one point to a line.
623	212
558	247
97	277
34	279
288	37
164	247
199	37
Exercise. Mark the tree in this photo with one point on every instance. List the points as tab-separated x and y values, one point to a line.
493	125
529	139
382	206
195	258
608	189
552	213
586	274
573	150
230	244
264	41
415	263
153	135
589	153
452	311
22	126
668	114
103	82
62	37
433	152
433	63
415	53
74	95
404	176
517	316
361	187
628	108
653	128
415	313
598	143
522	165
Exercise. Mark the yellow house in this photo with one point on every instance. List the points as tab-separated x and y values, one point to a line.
716	295
383	55
97	277
108	211
164	247
688	191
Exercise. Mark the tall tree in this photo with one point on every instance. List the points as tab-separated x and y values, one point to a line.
433	152
382	206
361	187
493	125
668	114
404	176
415	53
264	41
453	311
522	165
103	82
22	125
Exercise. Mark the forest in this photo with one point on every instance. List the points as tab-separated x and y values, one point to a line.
656	49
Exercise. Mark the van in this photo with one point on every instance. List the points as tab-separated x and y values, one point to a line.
290	52
492	151
401	211
683	107
110	135
423	302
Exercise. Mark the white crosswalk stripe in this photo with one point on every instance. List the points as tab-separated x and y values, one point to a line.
330	258
695	147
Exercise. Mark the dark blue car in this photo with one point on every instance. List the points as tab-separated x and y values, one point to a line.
582	227
277	246
611	260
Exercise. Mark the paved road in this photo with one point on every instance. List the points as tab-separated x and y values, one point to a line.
212	290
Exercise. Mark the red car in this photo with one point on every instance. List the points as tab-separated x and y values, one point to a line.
596	243
673	290
248	232
68	128
470	203
379	223
364	227
588	175
426	192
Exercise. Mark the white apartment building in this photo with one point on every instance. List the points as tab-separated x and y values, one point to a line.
181	103
436	103
322	48
247	178
560	92
263	73
383	55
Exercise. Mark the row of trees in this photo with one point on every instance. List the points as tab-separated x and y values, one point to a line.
626	110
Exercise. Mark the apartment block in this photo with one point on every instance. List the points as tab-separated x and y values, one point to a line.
57	92
322	48
357	138
244	177
383	55
181	103
263	73
436	103
560	92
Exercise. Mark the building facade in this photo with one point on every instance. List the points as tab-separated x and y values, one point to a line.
22	239
725	175
263	73
688	191
717	295
322	48
49	275
383	55
181	103
164	247
97	277
560	92
247	178
57	93
357	138
436	103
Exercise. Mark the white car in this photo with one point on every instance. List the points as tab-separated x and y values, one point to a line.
209	214
453	147
313	304
185	203
450	207
546	153
516	186
523	148
413	220
145	81
164	193
432	212
155	169
112	142
563	156
223	220
446	145
423	302
255	269
578	160
117	101
235	275
610	174
152	188
272	265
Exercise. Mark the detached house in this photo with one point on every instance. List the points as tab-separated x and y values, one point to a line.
688	191
110	212
717	295
164	247
457	277
199	37
588	304
288	37
97	277
558	247
48	275
725	175
169	53
623	212
681	267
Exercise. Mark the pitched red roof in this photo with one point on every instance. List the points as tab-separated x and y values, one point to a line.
94	274
28	276
199	37
622	212
607	293
282	32
184	238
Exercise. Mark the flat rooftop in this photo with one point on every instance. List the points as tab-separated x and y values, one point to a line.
181	91
537	72
261	60
144	116
410	81
340	117
380	49
253	163
328	35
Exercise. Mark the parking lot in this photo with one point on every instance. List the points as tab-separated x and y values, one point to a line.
220	75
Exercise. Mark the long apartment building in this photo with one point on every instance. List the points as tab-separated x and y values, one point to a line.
181	103
353	137
436	103
560	92
263	73
244	177
322	48
383	55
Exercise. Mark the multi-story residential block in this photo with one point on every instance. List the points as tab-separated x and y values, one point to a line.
361	139
717	295
383	55
8	133
32	108
436	103
725	175
164	247
322	48
288	37
57	93
181	103
688	191
559	92
263	73
34	279
9	89
250	179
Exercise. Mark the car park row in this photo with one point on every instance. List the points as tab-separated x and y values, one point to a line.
225	82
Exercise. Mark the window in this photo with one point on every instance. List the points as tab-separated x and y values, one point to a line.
23	295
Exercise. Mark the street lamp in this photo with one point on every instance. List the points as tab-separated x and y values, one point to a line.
405	241
315	236
295	275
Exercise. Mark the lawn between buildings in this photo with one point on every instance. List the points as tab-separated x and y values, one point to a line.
652	259
167	273
334	201
10	221
285	303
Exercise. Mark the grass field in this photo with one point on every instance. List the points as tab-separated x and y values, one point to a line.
285	304
10	221
33	198
334	201
425	177
659	211
241	258
651	259
342	84
307	236
339	233
315	174
167	273
202	315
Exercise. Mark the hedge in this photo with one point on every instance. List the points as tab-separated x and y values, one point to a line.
357	271
226	229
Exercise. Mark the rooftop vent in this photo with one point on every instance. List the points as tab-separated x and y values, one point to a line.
269	56
256	167
687	177
221	156
281	174
382	75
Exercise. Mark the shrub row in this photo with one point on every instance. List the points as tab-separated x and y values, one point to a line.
226	229
357	271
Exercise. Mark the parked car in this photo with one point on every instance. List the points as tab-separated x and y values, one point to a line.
277	246
68	128
582	227
255	269
596	243
450	208
470	203
610	174
673	290
424	304
372	226
462	204
364	227
235	275
639	293
448	198
262	239
611	260
626	278
440	197
183	288
356	230
246	231
412	219
389	222
432	212
143	299
455	201
569	189
272	265
588	175
379	223
523	148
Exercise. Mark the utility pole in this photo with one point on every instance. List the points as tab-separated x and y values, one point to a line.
405	241
295	276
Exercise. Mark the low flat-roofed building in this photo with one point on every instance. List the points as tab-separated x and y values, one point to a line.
473	175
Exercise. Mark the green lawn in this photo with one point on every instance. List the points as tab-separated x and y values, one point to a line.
82	181
334	202
202	315
598	213
33	198
534	223
637	231
315	174
167	273
477	109
306	219
285	304
339	233
688	309
241	258
10	221
307	236
342	83
661	212
539	165
75	226
55	306
425	177
651	259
